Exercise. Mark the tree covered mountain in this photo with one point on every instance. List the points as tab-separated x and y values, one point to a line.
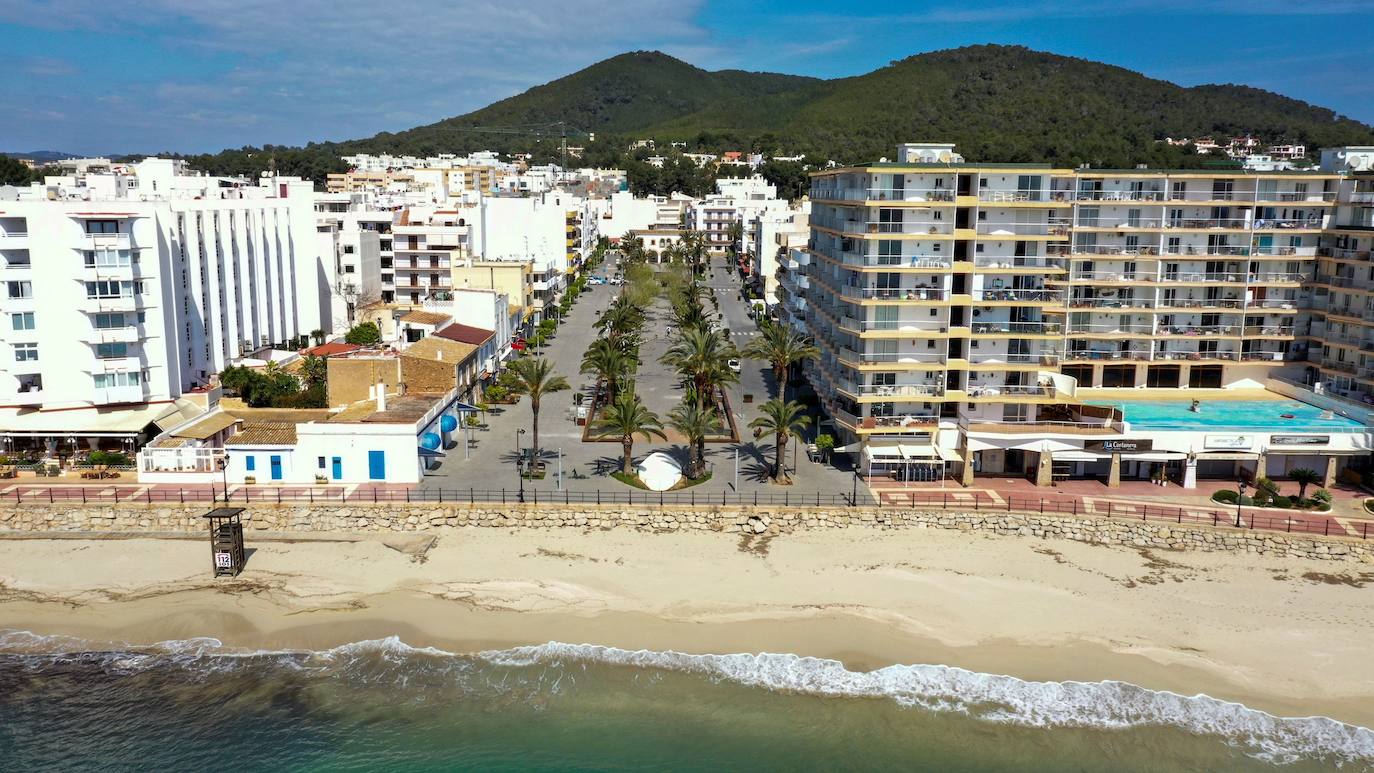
997	103
1002	103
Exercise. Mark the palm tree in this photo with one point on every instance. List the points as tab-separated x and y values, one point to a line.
784	420
604	359
627	417
701	357
695	424
314	370
1304	478
534	376
782	347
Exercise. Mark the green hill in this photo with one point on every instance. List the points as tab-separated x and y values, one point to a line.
1003	103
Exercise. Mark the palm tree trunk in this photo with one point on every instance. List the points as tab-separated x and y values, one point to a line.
780	373
627	462
779	450
534	408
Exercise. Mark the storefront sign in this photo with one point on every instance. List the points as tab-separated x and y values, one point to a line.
1232	442
1119	446
1299	440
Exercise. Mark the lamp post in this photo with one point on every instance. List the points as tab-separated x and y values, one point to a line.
224	474
520	463
854	492
1240	494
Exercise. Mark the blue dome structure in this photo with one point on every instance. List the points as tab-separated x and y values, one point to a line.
430	441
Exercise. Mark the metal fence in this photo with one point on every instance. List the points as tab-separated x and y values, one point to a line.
1314	524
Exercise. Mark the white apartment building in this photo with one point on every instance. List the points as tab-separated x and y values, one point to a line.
1022	319
775	234
114	307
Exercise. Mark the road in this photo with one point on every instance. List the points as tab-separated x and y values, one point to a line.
586	466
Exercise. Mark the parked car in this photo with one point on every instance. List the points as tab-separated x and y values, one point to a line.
733	365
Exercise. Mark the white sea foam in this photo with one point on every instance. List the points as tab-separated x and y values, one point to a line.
989	697
992	697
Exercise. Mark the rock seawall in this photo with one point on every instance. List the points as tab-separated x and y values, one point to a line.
752	520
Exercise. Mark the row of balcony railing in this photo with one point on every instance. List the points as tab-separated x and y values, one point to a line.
1064	195
1184	276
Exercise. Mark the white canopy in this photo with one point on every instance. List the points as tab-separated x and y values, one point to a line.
659	471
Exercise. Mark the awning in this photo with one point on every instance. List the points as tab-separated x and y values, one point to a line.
905	451
1077	456
849	449
87	422
465	408
1228	457
1157	456
431	452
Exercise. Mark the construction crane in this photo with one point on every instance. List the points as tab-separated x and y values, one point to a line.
557	129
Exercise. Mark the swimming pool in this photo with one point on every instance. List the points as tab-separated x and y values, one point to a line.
1231	414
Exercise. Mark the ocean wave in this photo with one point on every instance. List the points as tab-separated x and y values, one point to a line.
992	697
989	697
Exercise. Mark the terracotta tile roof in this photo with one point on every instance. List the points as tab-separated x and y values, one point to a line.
466	334
325	350
425	318
264	434
208	426
435	347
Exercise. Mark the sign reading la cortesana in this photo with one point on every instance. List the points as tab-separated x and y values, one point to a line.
1119	446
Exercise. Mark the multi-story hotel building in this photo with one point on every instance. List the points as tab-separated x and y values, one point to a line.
1010	318
115	304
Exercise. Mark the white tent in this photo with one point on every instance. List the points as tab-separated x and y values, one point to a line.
659	471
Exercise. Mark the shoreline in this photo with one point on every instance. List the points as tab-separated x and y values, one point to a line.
1284	636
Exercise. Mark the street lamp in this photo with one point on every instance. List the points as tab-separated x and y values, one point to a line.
224	474
1240	494
519	463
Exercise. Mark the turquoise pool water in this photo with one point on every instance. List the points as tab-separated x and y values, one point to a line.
1231	414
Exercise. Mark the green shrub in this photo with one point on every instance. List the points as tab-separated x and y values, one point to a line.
1262	497
1265	484
108	457
1247	501
1225	495
1282	502
363	334
1322	495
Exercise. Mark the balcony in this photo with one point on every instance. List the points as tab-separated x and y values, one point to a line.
1198	330
1118	224
1207	224
14	240
1020	261
976	391
895	294
907	391
906	228
1271	224
1019	296
112	304
1114	249
1202	303
1133	355
912	327
913	195
1210	249
107	241
1143	194
1016	328
1007	358
934	262
1268	331
891	358
1024	195
121	394
1143	328
1054	227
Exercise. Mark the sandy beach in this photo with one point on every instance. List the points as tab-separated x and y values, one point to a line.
1288	637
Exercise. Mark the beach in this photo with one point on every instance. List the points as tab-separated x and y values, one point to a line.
1283	636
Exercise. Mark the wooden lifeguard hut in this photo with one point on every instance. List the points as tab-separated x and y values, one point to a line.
226	540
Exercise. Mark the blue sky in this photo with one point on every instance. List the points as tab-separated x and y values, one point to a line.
199	75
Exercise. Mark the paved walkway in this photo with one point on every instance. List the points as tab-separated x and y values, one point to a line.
737	468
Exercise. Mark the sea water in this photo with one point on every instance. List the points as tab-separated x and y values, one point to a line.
383	705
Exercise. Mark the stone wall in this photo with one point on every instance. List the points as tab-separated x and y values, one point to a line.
741	520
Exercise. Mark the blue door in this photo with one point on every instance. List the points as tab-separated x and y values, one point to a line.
276	467
337	466
376	465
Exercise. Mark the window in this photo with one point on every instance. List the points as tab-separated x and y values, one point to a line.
22	321
250	463
112	380
113	289
20	289
321	462
107	258
102	226
108	321
26	352
110	351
